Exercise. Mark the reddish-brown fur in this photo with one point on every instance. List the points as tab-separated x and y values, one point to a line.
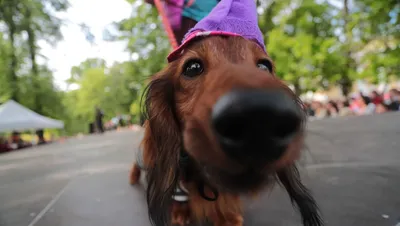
179	118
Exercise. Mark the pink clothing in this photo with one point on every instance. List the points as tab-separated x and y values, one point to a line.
174	9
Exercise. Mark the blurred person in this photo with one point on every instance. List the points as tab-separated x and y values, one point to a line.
40	135
99	120
354	103
376	98
386	98
344	108
184	14
194	11
366	106
121	120
4	147
394	104
332	108
381	108
320	110
310	111
16	142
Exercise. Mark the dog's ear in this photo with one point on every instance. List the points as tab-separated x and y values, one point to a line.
300	196
161	145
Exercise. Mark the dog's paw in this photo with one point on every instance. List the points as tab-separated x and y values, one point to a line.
180	214
134	176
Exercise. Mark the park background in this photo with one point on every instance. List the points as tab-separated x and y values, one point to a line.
320	47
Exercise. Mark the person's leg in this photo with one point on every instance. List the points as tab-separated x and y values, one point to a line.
101	126
186	25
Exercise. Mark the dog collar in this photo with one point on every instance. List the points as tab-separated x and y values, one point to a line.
181	193
184	162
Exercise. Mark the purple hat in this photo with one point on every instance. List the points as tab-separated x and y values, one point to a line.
228	18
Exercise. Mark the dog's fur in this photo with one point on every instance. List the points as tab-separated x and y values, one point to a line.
178	121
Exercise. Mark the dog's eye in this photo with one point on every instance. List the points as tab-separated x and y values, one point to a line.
265	65
193	68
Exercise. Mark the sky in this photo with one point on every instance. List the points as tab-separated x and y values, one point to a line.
74	48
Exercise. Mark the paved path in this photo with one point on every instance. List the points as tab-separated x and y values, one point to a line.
352	166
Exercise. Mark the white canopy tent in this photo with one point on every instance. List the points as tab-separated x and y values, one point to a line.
15	117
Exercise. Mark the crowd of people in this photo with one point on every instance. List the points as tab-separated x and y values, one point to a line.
357	104
16	142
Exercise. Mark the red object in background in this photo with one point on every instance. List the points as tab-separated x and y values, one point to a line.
4	147
377	100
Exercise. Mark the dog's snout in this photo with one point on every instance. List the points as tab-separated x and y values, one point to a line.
256	124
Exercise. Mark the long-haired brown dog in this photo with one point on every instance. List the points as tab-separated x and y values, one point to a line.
219	125
219	120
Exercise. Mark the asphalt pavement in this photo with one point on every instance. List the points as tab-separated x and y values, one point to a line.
352	165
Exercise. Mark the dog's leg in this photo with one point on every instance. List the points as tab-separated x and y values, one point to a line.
135	174
180	214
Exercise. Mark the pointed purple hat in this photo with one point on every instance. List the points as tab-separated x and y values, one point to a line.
228	18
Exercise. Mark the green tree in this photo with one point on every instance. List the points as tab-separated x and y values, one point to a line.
113	89
77	71
39	24
5	93
49	95
148	45
376	27
22	78
303	44
8	11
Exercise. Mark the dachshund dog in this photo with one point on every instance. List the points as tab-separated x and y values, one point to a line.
220	125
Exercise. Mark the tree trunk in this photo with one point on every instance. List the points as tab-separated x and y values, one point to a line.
34	67
8	9
14	63
345	82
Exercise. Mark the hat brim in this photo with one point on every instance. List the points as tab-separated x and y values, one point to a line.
191	37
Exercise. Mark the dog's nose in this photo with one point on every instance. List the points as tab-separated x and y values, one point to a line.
256	124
